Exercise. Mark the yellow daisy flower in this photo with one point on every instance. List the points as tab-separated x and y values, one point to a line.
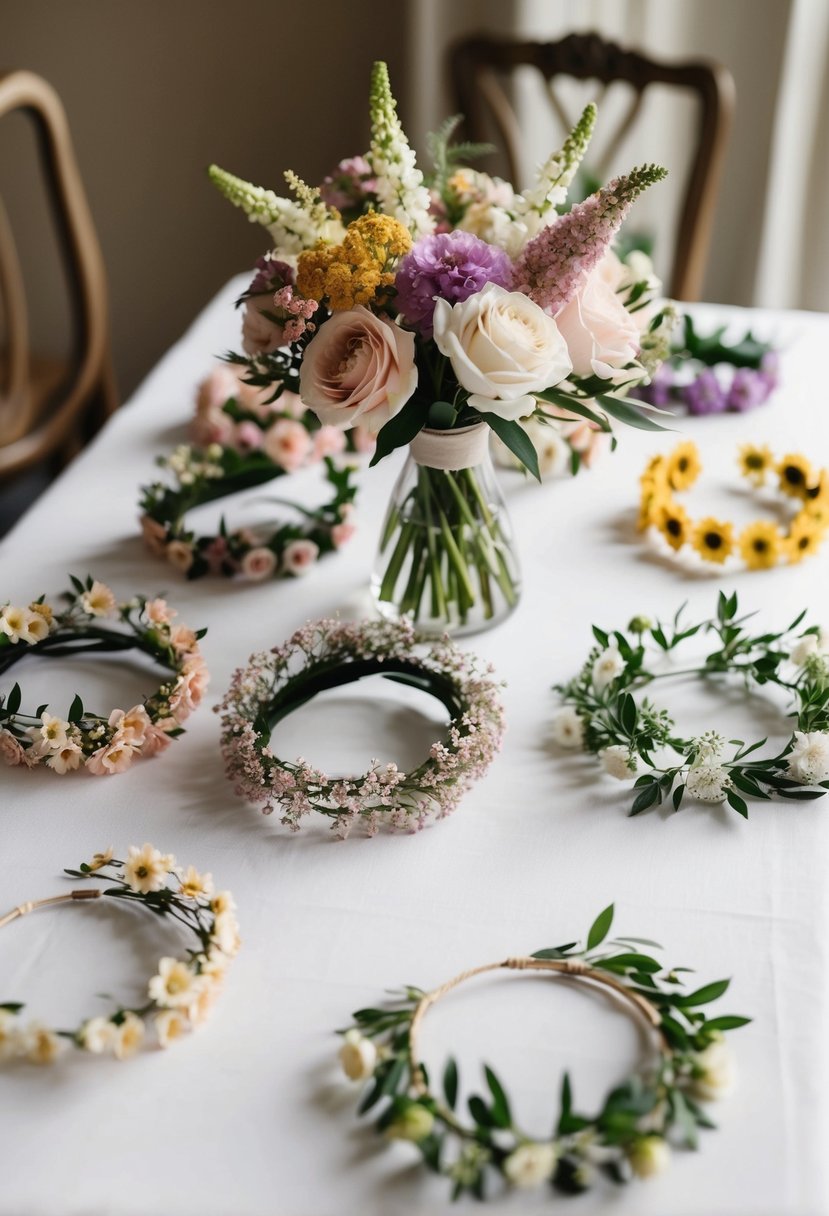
755	462
804	539
674	524
683	466
760	545
795	473
713	540
816	499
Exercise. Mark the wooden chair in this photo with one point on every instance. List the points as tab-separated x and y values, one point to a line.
49	406
479	64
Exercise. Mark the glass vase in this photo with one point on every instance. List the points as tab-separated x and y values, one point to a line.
447	558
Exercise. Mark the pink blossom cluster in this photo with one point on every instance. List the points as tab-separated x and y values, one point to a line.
106	746
384	794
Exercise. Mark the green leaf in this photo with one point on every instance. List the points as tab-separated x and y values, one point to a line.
628	712
394	1076
630	961
555	951
75	709
600	636
400	430
371	1096
500	1105
676	797
600	927
513	436
738	804
450	1083
648	795
13	699
623	411
727	1022
479	1111
702	996
684	1119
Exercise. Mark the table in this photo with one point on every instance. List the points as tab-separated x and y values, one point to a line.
251	1116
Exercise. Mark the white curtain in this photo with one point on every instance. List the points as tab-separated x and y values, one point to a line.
771	241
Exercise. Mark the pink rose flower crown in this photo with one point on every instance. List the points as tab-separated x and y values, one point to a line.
94	622
330	653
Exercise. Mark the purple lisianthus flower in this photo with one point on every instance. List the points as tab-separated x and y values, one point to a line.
770	369
748	388
452	265
658	392
704	395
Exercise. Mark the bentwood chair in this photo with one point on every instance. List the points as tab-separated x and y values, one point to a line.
480	65
50	406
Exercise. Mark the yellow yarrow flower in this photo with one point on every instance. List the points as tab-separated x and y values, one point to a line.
683	466
795	474
755	462
674	524
713	540
760	545
804	539
359	271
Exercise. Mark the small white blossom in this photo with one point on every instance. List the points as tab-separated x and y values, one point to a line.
715	1072
708	747
530	1164
618	762
809	644
809	757
607	667
708	783
358	1056
98	1035
568	728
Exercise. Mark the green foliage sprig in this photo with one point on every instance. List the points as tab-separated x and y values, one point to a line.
635	737
631	1132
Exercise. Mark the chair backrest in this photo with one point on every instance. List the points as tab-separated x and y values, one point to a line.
28	432
479	64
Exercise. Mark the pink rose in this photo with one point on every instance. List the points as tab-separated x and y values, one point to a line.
328	441
216	389
259	335
258	564
341	534
299	556
289	403
180	555
248	436
10	750
358	368
288	444
600	333
211	426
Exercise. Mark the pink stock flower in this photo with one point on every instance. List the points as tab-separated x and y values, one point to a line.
288	444
341	534
183	640
554	263
219	386
258	564
179	554
157	738
10	750
299	556
359	368
289	403
131	727
211	426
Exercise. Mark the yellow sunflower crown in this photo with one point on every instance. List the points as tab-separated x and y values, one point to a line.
761	544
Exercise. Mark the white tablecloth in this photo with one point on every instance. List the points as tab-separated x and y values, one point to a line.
250	1116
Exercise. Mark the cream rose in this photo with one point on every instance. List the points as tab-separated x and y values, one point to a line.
600	333
358	368
503	348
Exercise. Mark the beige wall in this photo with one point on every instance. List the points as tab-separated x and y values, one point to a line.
155	90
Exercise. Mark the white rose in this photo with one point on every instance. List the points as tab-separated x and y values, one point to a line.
601	335
809	757
358	1056
607	667
530	1164
568	728
649	1156
618	762
715	1071
503	348
708	783
809	644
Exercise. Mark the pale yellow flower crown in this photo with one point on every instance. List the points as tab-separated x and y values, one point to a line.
761	544
178	997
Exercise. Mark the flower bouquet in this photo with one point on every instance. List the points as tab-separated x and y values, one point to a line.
436	312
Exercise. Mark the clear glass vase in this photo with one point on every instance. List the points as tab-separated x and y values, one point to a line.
447	558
